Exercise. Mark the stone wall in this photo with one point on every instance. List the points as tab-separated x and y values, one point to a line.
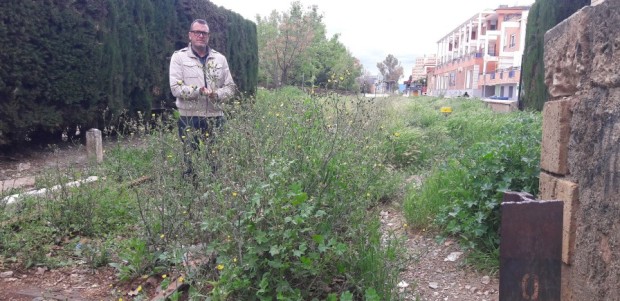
580	158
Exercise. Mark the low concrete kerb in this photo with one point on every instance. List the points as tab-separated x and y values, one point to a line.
43	191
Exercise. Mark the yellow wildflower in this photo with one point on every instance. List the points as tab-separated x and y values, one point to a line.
181	279
220	267
164	276
234	193
139	289
162	236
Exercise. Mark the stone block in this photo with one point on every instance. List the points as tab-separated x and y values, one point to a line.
94	145
552	188
567	192
564	67
555	136
547	184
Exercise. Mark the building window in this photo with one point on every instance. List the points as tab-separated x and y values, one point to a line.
513	40
452	82
491	50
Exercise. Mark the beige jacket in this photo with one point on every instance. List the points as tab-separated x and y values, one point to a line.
187	77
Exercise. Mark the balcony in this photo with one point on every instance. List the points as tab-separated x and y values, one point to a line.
493	33
501	77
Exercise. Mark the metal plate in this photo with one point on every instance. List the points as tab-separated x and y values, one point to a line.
530	249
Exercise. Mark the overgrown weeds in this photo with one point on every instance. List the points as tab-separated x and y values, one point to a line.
282	204
481	155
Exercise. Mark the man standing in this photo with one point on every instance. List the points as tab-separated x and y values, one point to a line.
200	80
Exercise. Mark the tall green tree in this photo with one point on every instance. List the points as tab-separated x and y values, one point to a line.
391	70
294	33
543	15
330	64
267	34
294	50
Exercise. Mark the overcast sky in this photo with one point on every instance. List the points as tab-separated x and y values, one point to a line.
373	29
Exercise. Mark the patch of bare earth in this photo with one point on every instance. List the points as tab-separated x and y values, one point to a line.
435	270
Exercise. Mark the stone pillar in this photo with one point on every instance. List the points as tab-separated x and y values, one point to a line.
94	145
580	151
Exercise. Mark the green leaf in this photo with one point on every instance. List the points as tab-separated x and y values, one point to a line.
371	295
306	260
340	248
346	296
318	238
275	250
264	284
261	237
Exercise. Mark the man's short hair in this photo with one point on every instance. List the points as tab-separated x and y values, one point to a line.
199	21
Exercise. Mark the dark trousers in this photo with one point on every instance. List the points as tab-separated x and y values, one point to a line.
197	132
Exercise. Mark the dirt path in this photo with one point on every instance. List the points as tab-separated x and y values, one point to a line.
434	270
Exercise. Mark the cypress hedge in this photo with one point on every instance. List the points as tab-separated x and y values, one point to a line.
65	63
544	15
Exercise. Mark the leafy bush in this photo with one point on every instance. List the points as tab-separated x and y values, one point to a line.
487	154
510	161
291	208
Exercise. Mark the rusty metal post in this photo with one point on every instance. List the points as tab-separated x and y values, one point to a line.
530	248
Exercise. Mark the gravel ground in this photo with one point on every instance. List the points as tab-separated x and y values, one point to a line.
435	270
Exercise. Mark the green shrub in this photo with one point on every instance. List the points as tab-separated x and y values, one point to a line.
290	213
483	155
510	161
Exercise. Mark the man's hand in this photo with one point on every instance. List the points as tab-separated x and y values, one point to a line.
208	92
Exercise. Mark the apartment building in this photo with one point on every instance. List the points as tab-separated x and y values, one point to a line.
482	56
422	66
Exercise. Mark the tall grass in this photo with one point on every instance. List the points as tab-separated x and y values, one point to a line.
283	204
481	155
